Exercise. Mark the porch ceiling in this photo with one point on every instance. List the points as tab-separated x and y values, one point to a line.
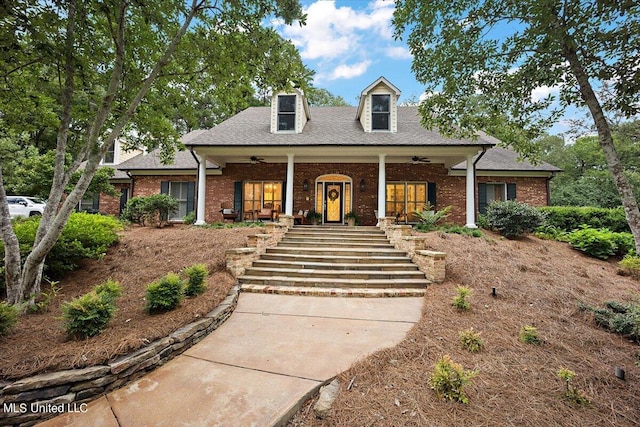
448	156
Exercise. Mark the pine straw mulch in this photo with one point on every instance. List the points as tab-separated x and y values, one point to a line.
538	283
39	344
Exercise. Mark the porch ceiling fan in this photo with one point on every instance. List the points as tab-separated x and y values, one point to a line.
418	159
255	160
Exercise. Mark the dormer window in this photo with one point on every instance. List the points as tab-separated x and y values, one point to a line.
380	112
110	156
286	113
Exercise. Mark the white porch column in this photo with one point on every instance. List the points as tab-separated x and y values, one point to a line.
471	193
288	208
202	189
382	186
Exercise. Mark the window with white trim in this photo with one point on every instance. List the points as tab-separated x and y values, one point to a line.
180	191
380	112
262	194
286	113
109	157
405	198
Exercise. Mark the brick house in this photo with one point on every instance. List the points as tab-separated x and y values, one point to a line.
290	158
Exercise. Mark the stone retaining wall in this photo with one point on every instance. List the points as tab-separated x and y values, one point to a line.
33	399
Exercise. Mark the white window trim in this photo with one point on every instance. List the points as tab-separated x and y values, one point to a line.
388	112
294	113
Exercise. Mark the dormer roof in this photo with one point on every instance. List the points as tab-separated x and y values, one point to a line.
366	91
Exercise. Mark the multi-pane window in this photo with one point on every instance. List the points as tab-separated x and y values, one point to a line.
110	156
404	199
179	190
286	112
262	194
380	112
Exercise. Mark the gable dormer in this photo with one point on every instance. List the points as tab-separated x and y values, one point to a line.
378	107
289	112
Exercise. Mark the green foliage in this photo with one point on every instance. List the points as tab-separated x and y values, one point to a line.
84	236
471	340
623	319
429	218
571	393
219	225
529	335
600	243
109	290
460	300
632	264
165	294
40	303
189	218
150	210
458	229
8	317
196	275
513	219
352	216
449	378
313	216
88	315
569	218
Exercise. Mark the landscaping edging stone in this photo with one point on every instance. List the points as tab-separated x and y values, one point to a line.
30	400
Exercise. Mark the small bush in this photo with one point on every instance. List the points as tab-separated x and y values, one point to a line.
109	290
449	379
460	300
189	218
471	340
529	335
429	218
623	319
8	317
165	294
569	218
601	243
571	393
87	315
150	210
40	303
632	264
196	275
513	219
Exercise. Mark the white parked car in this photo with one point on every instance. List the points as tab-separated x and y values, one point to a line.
25	206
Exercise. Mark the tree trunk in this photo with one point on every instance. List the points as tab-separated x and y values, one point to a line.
11	248
605	138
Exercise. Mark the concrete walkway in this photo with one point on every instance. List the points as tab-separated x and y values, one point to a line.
253	371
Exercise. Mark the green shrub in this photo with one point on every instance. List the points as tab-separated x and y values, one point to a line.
109	290
87	315
569	218
189	218
513	219
449	379
529	335
8	317
471	340
623	319
165	294
429	218
632	264
40	303
571	393
196	275
600	243
460	300
150	210
84	236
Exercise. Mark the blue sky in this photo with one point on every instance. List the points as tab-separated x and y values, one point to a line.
350	44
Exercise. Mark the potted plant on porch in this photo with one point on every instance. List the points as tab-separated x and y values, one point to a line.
314	217
352	218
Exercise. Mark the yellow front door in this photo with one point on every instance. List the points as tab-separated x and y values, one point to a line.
333	198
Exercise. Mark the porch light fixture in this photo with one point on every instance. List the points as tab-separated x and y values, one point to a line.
305	185
363	185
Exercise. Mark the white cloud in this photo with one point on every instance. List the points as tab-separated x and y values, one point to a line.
354	34
540	93
348	71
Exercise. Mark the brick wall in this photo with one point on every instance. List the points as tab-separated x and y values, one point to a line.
450	189
110	205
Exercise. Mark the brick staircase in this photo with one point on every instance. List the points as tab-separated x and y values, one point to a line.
345	261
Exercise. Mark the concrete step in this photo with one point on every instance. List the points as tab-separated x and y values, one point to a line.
363	238
336	233
334	243
319	257
343	228
336	292
330	282
333	274
337	264
388	251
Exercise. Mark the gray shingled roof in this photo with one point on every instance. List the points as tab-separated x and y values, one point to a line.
150	161
506	159
328	126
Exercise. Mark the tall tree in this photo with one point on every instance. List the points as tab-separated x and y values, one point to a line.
511	51
99	70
